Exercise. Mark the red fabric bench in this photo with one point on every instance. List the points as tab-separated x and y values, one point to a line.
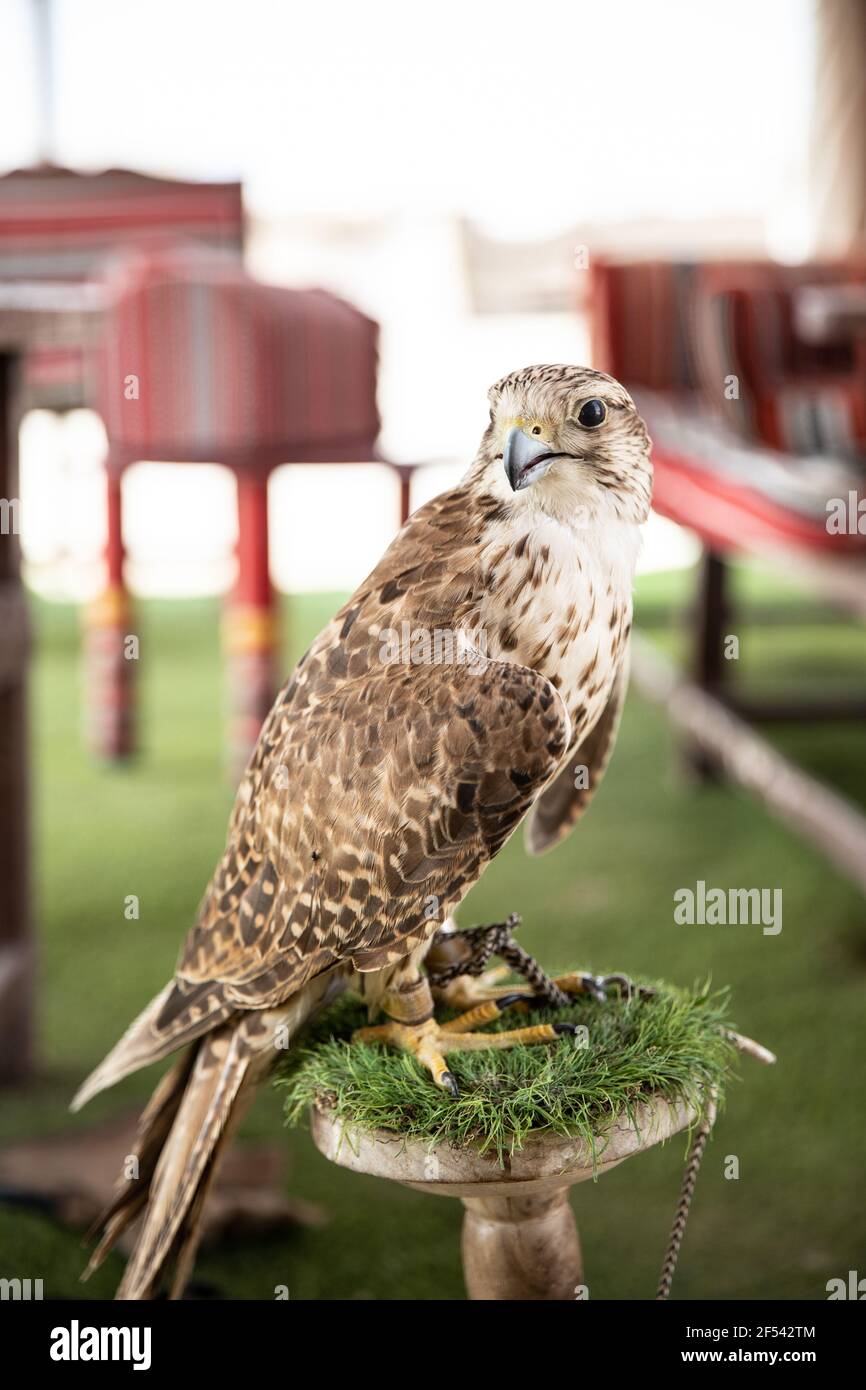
753	431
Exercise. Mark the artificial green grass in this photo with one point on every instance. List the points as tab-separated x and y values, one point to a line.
670	1046
793	1218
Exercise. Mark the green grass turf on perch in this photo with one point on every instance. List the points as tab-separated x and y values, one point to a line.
670	1046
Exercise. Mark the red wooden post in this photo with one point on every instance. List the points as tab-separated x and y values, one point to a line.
110	655
405	475
251	626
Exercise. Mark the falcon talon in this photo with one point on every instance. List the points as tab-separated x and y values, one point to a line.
507	1001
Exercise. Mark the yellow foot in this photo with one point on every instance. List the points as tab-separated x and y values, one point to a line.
431	1041
466	991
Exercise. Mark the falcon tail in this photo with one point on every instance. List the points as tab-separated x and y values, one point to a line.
185	1128
135	1049
181	1136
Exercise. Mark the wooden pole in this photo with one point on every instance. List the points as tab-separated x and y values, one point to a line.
837	164
251	627
708	660
44	33
405	476
16	949
55	317
110	660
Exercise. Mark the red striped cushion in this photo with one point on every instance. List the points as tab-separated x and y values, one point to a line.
56	224
229	369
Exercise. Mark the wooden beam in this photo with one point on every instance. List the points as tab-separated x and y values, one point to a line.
823	817
16	1035
15	629
15	968
707	630
840	708
710	617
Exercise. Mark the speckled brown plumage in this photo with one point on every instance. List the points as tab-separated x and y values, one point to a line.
381	785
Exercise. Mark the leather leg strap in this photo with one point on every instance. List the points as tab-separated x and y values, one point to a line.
411	1002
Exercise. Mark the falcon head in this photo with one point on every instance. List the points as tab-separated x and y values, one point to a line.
567	441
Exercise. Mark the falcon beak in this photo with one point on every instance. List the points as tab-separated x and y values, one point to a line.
524	459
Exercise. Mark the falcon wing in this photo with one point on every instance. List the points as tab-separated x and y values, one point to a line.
375	810
562	804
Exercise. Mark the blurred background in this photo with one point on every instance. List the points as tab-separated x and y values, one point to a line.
259	265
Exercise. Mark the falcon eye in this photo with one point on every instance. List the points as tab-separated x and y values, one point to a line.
592	414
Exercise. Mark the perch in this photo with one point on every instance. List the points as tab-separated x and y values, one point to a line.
520	1238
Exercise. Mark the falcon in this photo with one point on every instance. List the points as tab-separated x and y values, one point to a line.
474	678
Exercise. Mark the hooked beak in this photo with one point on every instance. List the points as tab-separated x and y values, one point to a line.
524	459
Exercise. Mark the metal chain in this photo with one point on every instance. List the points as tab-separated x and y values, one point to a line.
687	1192
522	963
483	942
497	939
